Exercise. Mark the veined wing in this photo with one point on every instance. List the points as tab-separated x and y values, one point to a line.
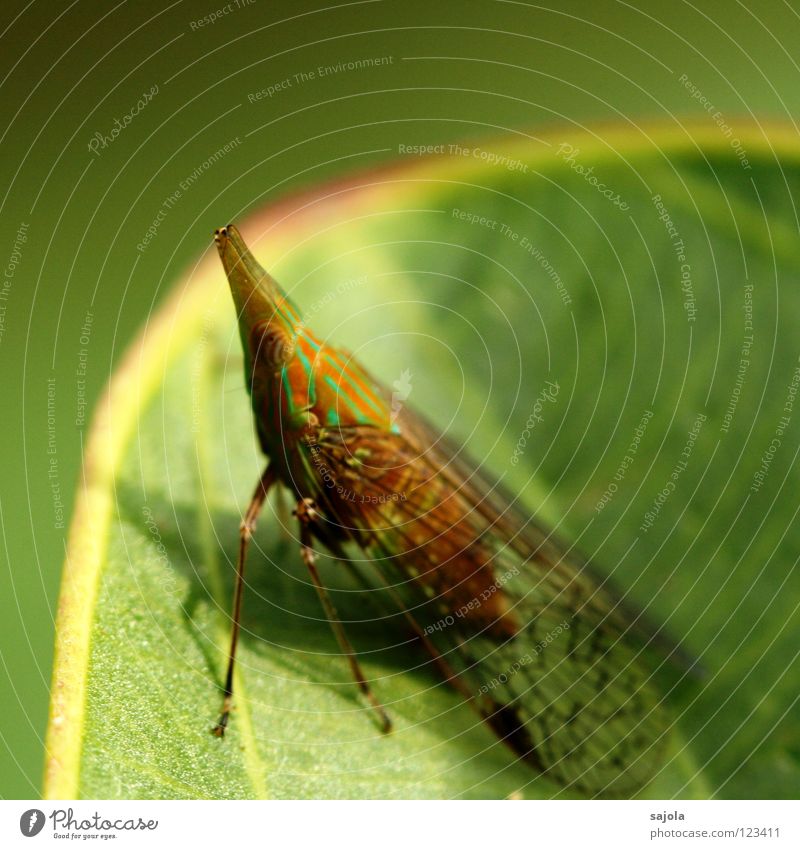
547	653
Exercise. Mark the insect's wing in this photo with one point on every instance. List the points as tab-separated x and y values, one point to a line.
548	655
511	518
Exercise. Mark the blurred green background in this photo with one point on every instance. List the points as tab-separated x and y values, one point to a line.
76	287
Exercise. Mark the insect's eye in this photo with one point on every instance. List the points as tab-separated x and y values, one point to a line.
270	345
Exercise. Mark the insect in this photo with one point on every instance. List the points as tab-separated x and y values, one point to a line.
511	619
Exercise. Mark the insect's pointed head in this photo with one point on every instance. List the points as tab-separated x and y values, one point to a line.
268	321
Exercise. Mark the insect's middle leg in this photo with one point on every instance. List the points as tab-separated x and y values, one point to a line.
304	513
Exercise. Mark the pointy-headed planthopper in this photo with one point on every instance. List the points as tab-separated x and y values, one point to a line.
514	621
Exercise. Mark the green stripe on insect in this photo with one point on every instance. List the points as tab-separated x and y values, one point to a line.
361	417
343	371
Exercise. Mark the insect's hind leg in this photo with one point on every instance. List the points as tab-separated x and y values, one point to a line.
304	513
448	673
502	719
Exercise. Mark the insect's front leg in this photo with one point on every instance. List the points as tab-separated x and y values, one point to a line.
246	529
305	513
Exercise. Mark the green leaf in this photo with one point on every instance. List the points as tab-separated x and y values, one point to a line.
485	278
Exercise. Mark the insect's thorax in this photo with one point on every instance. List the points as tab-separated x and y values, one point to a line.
321	387
328	429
